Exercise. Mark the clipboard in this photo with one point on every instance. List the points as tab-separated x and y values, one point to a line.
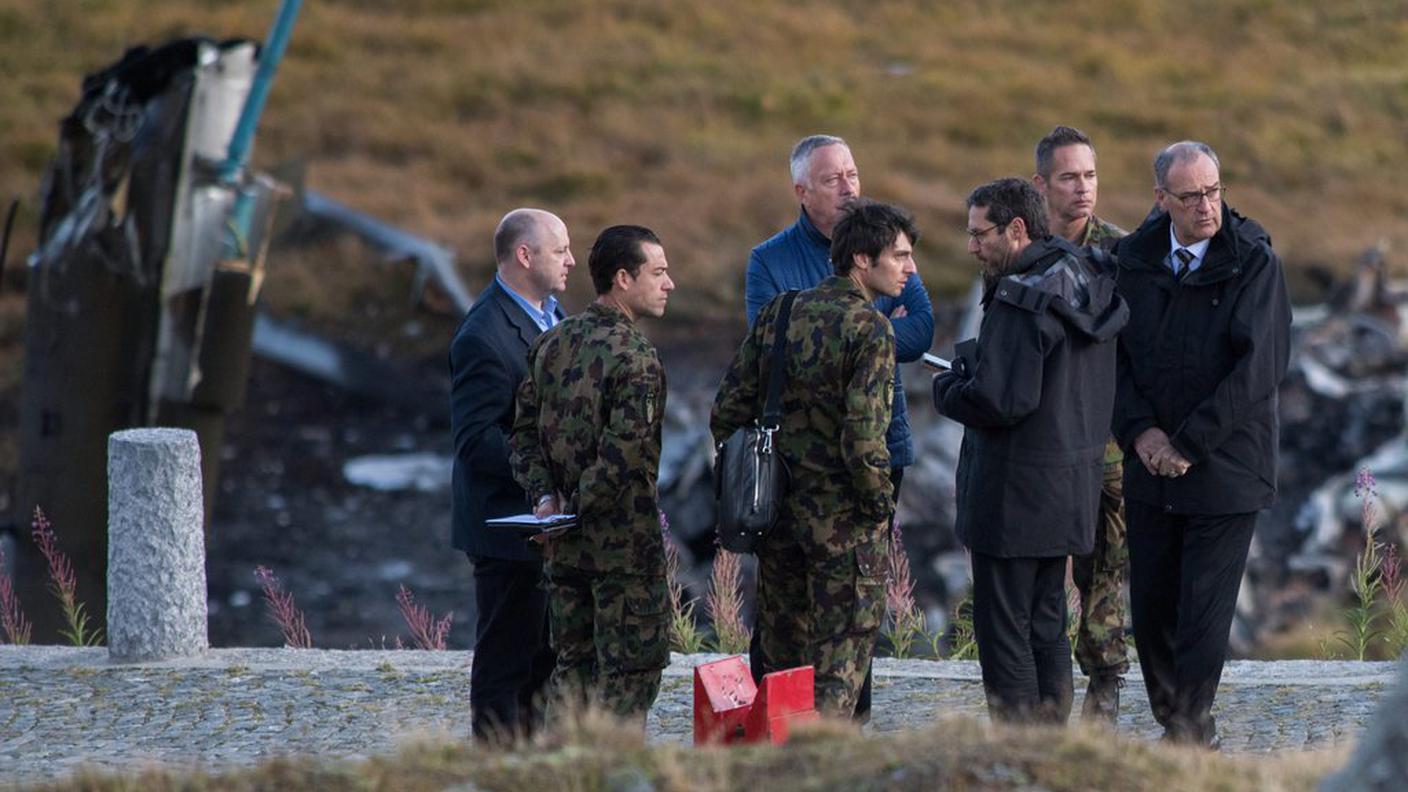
528	525
935	363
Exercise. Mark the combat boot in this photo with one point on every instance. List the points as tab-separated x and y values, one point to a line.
1102	698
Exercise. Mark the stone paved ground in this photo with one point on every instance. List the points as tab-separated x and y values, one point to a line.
60	707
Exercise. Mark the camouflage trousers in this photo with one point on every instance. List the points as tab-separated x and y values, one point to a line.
612	637
1100	578
824	610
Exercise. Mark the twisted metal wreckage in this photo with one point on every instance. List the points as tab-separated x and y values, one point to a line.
143	290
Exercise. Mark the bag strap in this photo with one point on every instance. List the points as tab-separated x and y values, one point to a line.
772	408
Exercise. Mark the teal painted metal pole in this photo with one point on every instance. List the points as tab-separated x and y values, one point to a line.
237	226
269	58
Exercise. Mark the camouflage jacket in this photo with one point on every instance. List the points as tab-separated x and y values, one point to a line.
588	426
836	407
1103	235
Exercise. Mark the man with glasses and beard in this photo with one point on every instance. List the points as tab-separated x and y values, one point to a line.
1034	393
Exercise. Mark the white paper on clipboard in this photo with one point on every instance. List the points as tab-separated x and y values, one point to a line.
935	363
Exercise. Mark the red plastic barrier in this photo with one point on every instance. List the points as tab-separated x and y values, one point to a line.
786	698
729	708
723	694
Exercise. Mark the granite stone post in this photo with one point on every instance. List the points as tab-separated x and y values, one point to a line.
156	546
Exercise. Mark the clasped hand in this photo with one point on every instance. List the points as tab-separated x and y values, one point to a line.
1159	456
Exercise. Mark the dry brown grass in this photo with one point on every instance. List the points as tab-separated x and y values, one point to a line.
440	114
599	753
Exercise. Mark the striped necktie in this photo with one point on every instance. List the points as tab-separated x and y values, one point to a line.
1184	258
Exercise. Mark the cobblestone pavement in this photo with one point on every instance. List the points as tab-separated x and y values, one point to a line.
61	707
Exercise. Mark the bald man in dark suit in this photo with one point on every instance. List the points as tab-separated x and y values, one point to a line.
488	359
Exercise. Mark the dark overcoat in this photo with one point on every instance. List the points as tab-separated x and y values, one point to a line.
1201	358
1035	392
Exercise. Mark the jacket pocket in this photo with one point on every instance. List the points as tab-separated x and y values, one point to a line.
870	575
634	635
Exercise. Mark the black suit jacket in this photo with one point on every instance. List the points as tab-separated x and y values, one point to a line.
488	359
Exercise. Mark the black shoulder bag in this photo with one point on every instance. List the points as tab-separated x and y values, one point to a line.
750	476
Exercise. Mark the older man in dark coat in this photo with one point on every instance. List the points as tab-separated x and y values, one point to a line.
1199	364
1035	392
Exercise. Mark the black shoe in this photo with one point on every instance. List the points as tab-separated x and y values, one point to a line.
1102	698
1210	742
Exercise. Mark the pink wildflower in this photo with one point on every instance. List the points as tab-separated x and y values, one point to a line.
425	630
283	611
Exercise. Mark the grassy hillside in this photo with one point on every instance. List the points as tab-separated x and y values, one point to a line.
441	114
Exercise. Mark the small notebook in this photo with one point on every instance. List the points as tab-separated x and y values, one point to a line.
935	363
529	525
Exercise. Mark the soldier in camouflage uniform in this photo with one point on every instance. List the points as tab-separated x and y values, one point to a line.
586	440
1066	178
821	571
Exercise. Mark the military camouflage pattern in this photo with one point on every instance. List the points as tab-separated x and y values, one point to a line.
1101	234
611	632
588	426
821	572
822	610
1100	577
835	405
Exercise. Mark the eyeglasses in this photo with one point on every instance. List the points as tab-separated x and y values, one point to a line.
1192	200
982	232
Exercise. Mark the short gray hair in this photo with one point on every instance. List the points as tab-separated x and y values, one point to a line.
802	153
1182	151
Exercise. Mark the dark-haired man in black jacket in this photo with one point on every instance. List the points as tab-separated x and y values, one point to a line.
1199	364
1035	393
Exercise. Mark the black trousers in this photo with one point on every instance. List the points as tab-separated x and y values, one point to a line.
1019	621
512	659
1183	579
755	648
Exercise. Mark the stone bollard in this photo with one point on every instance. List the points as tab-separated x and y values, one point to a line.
156	546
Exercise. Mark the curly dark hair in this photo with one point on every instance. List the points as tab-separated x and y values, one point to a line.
867	228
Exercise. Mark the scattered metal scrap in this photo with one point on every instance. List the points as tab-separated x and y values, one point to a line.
434	262
351	369
1342	410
